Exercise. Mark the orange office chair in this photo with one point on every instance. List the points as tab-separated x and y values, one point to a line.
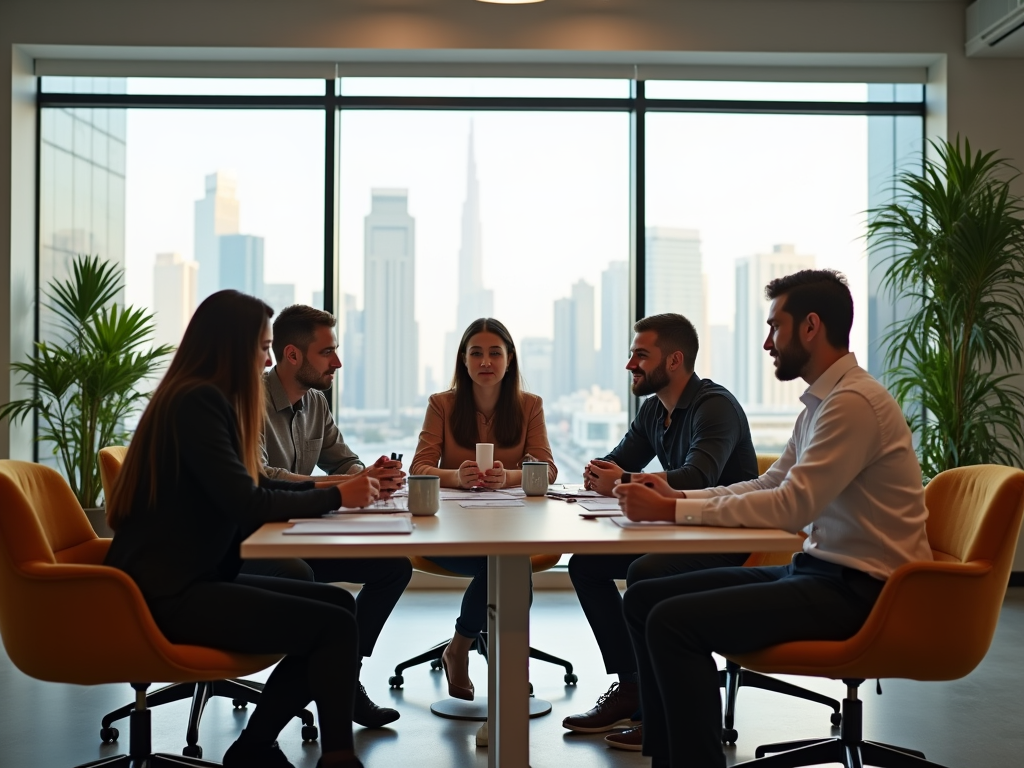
241	692
734	677
54	591
433	655
933	620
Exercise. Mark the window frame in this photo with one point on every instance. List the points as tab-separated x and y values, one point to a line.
637	105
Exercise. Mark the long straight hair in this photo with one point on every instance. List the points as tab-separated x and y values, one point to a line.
220	347
508	428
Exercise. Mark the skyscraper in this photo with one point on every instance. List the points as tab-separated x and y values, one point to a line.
675	276
755	373
241	264
474	300
352	343
535	357
389	313
279	295
572	366
216	214
174	297
616	328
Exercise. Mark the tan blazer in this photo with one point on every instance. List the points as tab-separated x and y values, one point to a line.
437	449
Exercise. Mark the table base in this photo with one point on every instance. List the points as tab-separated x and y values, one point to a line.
457	709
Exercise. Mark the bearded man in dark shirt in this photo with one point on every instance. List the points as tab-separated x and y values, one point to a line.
699	433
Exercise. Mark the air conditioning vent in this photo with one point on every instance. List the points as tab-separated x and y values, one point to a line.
994	28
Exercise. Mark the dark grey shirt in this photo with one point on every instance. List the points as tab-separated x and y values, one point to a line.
296	439
707	444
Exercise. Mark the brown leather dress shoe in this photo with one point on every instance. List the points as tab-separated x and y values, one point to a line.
613	710
632	739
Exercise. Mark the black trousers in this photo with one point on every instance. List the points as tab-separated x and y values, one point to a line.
593	577
384	579
314	625
676	622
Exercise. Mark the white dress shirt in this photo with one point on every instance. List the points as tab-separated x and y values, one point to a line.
849	472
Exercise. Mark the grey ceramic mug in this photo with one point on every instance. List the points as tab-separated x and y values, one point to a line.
535	478
424	494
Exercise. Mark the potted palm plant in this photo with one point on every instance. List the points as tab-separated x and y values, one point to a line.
956	237
88	379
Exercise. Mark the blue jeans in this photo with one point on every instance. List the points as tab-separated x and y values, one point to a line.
474	600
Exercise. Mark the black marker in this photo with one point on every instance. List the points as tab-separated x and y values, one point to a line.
396	456
626	477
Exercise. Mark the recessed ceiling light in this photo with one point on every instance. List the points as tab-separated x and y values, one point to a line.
510	2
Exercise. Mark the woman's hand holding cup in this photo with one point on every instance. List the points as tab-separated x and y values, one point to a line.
495	476
469	475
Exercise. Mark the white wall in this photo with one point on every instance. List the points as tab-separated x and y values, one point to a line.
977	98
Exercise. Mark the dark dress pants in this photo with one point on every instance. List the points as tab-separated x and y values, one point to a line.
474	600
384	579
314	625
676	622
593	577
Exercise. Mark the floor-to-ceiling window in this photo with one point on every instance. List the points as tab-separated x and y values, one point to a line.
410	206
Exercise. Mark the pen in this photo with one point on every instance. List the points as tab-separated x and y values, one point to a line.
396	456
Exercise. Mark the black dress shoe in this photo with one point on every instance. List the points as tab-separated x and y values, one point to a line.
240	755
368	714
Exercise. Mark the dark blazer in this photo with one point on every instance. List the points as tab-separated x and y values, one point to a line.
208	503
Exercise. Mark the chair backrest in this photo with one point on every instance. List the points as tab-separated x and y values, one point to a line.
756	559
65	617
765	461
933	620
111	459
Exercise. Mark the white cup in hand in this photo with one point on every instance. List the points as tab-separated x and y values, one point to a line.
485	456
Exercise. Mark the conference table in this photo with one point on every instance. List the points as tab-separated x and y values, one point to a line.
509	535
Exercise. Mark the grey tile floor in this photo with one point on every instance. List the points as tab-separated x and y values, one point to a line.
970	723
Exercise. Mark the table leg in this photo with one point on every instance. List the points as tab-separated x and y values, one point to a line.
508	668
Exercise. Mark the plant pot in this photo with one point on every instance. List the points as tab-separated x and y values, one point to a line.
98	520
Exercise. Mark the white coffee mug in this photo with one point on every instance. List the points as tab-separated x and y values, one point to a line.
535	478
485	456
424	494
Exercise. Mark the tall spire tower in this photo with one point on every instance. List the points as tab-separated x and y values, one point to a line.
474	300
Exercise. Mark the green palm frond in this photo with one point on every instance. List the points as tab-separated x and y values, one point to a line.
956	236
88	382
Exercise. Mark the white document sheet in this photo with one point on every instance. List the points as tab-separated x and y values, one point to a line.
354	524
598	505
491	503
625	522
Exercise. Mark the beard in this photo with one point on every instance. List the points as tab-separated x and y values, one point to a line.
310	378
791	360
653	381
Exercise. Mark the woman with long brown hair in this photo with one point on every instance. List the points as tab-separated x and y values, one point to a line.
190	491
485	404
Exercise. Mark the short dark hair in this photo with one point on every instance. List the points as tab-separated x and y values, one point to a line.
675	333
296	325
825	292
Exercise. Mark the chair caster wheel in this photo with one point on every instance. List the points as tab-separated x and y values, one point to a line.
239	703
395	681
435	665
108	735
193	750
309	733
571	679
531	688
729	736
837	719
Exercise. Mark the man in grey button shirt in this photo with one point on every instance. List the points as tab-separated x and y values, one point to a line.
299	434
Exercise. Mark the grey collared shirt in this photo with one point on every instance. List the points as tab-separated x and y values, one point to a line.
300	437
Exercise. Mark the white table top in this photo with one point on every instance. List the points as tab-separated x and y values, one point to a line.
542	526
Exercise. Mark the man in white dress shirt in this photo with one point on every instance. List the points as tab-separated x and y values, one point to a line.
849	472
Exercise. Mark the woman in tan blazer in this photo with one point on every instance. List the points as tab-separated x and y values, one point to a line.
486	404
